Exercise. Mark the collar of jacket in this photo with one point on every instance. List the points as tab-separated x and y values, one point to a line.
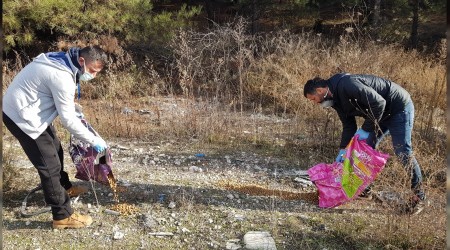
73	55
58	57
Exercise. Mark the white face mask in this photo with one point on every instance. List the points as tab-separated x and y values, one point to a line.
326	103
86	76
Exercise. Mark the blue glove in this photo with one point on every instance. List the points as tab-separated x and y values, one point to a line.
340	157
99	144
363	135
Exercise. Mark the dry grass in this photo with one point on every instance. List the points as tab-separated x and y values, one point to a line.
8	164
247	93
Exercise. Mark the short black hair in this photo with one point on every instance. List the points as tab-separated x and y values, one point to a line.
94	53
312	85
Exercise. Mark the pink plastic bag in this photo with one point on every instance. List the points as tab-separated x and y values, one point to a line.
327	178
338	182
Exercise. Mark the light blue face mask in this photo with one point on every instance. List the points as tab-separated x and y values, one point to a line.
86	76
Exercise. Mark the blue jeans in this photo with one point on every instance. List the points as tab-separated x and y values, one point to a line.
399	126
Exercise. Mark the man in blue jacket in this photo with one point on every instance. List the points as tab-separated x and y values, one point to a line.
387	109
41	91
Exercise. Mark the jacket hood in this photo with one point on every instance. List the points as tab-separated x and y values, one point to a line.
44	59
64	64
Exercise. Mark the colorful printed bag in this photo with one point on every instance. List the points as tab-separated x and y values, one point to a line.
90	165
339	183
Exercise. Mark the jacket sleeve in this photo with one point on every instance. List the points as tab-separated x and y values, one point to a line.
63	91
348	128
367	101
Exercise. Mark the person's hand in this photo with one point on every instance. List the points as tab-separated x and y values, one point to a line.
99	144
340	157
363	135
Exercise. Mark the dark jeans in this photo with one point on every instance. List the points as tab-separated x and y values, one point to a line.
46	154
400	126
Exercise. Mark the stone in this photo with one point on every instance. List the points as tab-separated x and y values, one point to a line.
259	240
118	235
232	246
303	182
149	222
161	234
112	212
195	169
239	217
172	205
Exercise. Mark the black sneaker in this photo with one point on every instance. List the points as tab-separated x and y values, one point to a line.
414	206
420	193
418	208
366	194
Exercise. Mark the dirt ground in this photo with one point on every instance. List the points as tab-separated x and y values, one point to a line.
178	194
199	210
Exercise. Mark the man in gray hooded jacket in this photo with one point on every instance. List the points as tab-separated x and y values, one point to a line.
387	109
41	91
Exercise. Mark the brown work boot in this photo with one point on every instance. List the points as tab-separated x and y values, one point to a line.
76	220
76	190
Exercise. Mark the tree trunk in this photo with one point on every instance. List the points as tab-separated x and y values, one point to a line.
415	24
253	16
210	13
375	15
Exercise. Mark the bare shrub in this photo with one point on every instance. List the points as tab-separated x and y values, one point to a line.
213	62
12	67
9	169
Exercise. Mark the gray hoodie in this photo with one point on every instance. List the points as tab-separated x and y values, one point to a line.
40	92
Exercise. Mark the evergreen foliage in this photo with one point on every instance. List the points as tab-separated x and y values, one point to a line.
151	24
130	20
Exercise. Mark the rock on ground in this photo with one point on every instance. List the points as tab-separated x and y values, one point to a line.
259	240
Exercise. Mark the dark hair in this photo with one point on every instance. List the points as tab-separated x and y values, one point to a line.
312	84
94	53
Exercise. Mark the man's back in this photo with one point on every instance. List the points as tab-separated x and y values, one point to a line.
31	98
